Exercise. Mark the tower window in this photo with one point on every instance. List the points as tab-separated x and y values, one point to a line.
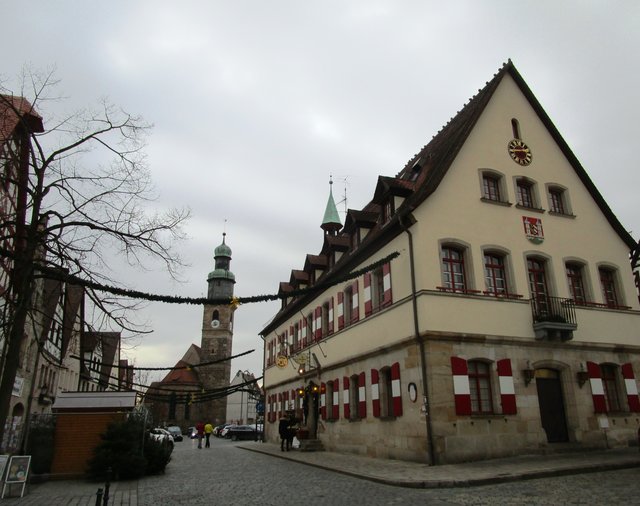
515	126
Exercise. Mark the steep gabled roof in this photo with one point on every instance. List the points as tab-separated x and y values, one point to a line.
72	304
364	219
13	110
315	261
188	376
424	172
392	186
437	156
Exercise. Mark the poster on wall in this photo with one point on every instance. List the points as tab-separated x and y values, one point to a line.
18	472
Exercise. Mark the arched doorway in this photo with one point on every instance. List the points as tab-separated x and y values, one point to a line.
551	402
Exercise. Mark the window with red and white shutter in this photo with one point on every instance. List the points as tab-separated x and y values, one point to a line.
631	388
345	397
396	391
461	390
362	395
366	294
375	392
597	388
335	402
507	389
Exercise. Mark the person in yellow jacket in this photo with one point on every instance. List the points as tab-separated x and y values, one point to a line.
208	430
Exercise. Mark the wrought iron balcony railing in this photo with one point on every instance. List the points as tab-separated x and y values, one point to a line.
553	309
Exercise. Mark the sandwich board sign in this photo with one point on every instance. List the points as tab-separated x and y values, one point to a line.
18	472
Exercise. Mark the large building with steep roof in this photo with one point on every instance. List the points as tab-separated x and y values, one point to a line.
481	305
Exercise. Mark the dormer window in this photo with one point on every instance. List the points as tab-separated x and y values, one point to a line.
415	171
387	211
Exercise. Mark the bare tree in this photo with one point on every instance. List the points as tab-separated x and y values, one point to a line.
87	200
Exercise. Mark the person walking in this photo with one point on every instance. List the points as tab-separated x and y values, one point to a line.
200	431
208	430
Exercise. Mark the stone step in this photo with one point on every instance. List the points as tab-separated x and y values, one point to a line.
311	445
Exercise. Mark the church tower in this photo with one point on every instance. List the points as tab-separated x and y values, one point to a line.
217	336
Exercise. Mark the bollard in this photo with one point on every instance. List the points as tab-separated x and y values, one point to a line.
99	497
105	500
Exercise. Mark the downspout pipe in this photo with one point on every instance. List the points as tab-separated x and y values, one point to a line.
420	341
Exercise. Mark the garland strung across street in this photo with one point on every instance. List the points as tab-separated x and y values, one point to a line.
56	273
185	367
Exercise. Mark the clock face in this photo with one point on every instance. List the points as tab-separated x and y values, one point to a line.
282	361
215	324
520	152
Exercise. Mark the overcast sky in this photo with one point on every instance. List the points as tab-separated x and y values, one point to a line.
256	103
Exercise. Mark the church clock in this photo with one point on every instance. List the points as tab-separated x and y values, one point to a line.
519	152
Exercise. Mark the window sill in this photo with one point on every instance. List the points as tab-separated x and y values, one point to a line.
358	419
562	215
388	418
532	209
496	202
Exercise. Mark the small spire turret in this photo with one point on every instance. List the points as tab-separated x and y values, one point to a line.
331	223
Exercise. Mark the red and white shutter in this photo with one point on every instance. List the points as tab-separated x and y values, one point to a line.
386	285
631	388
318	322
335	404
461	391
272	408
396	391
280	413
323	401
375	393
331	327
362	396
345	397
303	332
355	309
340	310
368	304
292	330
507	389
597	388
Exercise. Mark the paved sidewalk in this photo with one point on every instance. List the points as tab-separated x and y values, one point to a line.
415	475
390	472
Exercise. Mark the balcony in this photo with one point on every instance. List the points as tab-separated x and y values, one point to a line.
554	318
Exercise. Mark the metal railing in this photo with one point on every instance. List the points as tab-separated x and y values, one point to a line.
553	309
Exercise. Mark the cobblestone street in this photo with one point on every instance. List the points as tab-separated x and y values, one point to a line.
227	475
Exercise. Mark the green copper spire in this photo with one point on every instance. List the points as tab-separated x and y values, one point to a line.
331	222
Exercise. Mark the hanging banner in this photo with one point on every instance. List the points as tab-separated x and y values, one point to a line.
533	229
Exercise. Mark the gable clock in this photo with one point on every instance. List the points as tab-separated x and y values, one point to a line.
519	152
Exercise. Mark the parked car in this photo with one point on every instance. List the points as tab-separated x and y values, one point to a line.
218	429
225	429
162	435
237	432
176	432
